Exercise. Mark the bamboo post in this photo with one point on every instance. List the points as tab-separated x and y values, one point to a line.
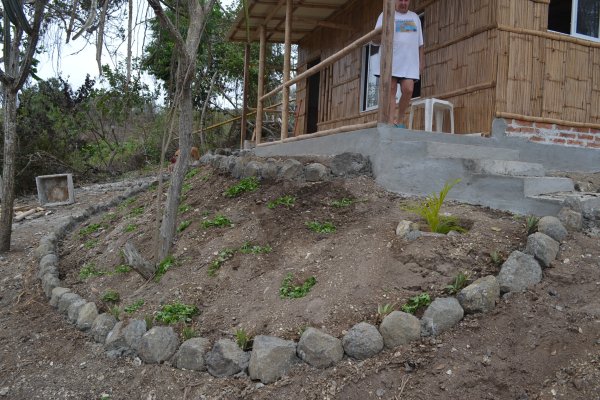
286	70
244	124
261	82
385	73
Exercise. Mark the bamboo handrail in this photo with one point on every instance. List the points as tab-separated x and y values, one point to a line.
341	129
549	35
268	109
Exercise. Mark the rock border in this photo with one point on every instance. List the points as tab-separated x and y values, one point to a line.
271	358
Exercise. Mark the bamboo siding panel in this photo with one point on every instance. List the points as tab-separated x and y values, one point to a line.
520	75
595	87
448	19
523	14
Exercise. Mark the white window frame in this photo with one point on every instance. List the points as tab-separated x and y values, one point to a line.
574	9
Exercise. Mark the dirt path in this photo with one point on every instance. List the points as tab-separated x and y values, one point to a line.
541	344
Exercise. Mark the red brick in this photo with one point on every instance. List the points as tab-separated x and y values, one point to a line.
544	126
594	130
593	144
576	142
563	127
581	130
523	123
528	130
559	141
537	139
584	136
568	135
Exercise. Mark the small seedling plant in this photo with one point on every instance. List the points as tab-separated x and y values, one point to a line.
111	296
186	187
163	267
249	248
496	257
191	173
176	312
321	227
220	221
183	209
459	282
216	264
136	212
531	224
89	270
243	339
91	243
183	226
122	269
429	210
88	230
416	302
130	227
188	332
289	290
285	201
245	185
384	310
343	202
136	305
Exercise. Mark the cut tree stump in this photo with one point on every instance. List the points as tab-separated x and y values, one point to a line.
137	262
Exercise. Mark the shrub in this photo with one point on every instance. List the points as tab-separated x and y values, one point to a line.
249	184
111	296
176	312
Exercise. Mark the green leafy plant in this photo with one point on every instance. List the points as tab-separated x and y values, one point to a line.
429	210
163	267
216	264
136	212
531	223
459	282
91	228
183	225
249	184
104	396
496	257
183	208
176	312
136	305
191	173
249	248
343	202
416	302
243	339
321	227
186	188
384	309
219	221
122	269
130	227
90	244
111	296
89	270
291	291
286	201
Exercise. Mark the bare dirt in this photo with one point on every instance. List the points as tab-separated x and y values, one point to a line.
541	344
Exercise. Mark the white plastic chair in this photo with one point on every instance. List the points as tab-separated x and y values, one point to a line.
433	107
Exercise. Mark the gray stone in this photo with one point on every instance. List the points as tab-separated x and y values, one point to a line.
542	247
73	310
404	227
552	227
226	359
44	248
480	296
48	268
191	354
158	345
253	168
49	282
350	164
519	272
66	300
319	349
47	263
270	170
442	314
362	341
271	358
291	170
571	220
237	169
87	315
316	172
125	338
399	328
57	292
102	325
413	235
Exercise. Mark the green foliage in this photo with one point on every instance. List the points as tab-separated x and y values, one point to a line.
321	227
291	291
149	321
163	267
115	311
384	309
183	225
416	302
183	208
91	228
126	203
89	270
188	332
136	211
531	223
249	248
109	217
243	339
343	202
176	312
496	257
90	244
459	282
186	188
249	184
130	227
191	173
136	305
220	221
122	269
429	210
111	296
216	264
286	201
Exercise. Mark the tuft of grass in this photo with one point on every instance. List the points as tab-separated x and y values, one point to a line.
136	305
136	212
531	224
130	227
188	332
496	257
321	227
286	201
416	302
243	339
183	225
90	244
458	283
163	267
429	210
343	202
290	291
216	264
249	248
88	230
111	296
115	311
176	312
220	221
89	270
109	217
249	184
384	309
183	208
122	269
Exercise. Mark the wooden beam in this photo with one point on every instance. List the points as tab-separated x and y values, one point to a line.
244	124
261	83
557	121
386	50
341	129
287	60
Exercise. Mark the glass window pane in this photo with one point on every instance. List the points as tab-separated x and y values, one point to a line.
588	18
372	89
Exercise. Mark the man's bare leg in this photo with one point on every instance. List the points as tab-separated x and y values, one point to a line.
407	86
393	89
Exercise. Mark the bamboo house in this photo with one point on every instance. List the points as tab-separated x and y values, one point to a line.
533	63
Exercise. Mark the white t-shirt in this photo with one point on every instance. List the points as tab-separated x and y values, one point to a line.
408	37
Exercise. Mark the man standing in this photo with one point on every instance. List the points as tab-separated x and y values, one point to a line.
408	58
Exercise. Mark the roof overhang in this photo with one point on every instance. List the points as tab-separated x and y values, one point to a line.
307	15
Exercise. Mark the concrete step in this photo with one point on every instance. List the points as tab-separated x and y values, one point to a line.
543	185
587	203
504	167
473	152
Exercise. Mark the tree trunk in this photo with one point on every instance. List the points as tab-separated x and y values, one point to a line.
8	167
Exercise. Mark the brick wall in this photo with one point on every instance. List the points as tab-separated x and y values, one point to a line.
554	133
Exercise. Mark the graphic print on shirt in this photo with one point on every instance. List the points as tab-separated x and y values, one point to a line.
407	25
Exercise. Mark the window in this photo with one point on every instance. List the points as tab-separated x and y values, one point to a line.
580	18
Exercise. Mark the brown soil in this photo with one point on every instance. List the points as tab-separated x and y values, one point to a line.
541	344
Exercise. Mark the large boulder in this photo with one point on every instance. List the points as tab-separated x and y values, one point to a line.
271	358
399	328
362	341
102	325
442	314
319	349
87	315
191	354
226	359
480	296
158	344
552	227
542	247
519	272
